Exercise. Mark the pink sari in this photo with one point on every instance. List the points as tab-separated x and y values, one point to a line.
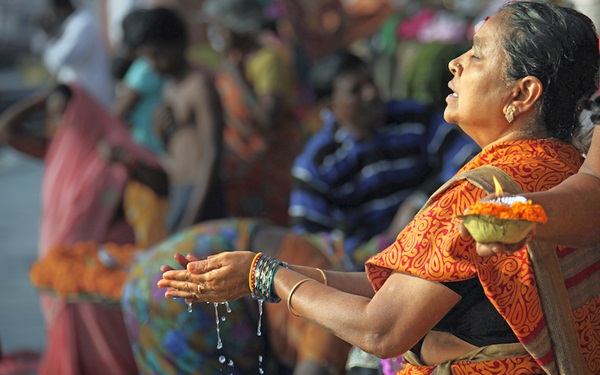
80	195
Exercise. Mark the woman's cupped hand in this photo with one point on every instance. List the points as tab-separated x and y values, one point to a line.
218	278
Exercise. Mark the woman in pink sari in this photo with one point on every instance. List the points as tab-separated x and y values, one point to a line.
89	160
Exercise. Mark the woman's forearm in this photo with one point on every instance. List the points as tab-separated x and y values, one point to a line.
13	127
349	282
573	206
572	209
344	314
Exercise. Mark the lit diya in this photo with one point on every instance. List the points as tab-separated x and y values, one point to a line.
506	219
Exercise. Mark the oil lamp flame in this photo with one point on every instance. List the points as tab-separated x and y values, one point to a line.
498	188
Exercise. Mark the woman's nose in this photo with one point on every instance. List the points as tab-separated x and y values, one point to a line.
454	66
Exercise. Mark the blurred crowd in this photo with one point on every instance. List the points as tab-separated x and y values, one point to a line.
157	115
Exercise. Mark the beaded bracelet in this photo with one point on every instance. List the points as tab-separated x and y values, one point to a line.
262	275
251	272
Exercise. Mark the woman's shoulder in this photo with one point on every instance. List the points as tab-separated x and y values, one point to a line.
536	165
541	152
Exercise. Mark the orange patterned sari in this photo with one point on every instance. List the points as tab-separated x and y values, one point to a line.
430	247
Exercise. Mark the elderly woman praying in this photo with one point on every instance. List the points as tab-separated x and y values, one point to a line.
430	296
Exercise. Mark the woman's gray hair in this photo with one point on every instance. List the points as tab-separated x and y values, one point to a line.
582	138
244	17
559	46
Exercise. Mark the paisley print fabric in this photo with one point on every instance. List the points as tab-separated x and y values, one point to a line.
430	247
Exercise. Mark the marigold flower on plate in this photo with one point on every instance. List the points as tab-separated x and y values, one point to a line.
503	219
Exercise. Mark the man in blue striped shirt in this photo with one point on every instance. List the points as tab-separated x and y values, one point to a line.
367	158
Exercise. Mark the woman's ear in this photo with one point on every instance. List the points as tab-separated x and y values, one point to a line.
527	93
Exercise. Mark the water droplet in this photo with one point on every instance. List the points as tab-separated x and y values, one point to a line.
223	318
190	307
260	314
222	359
228	307
230	363
219	342
261	371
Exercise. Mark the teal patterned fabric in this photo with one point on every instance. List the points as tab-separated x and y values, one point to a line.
166	338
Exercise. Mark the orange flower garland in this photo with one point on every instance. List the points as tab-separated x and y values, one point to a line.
77	272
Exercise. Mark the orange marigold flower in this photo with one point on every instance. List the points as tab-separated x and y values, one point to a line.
516	211
77	272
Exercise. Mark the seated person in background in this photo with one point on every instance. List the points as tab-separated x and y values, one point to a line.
91	165
189	121
518	92
140	91
367	158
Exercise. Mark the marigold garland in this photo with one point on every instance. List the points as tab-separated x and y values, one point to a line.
77	272
516	211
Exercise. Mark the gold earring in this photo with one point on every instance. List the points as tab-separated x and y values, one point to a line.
510	113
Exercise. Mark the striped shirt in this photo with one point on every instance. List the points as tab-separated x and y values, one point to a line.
352	186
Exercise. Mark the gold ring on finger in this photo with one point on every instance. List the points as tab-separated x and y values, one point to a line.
200	288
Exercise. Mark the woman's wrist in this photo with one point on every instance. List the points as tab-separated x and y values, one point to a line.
262	276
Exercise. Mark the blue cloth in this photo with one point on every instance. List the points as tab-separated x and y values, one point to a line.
356	186
142	79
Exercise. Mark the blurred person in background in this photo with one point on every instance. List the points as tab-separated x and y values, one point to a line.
372	162
369	157
140	90
366	159
256	85
74	50
90	162
189	121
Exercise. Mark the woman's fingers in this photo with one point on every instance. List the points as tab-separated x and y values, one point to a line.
183	289
463	231
165	267
223	277
193	258
488	249
183	275
183	261
202	266
192	293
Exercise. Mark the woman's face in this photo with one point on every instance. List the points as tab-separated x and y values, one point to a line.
480	88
